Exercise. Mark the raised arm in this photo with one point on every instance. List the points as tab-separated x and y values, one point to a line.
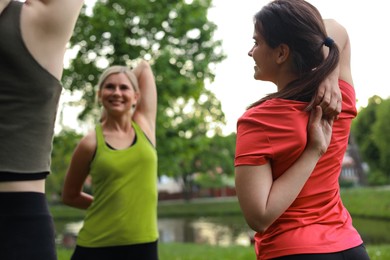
53	19
262	199
146	111
3	4
47	26
329	95
341	38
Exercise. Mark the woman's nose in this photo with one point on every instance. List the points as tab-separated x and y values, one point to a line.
117	90
250	52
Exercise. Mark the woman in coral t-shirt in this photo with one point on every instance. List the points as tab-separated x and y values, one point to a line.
289	149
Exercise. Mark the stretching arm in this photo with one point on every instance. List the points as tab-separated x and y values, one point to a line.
329	94
72	193
146	111
47	26
263	199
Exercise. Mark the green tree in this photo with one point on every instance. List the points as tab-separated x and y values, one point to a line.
215	166
381	136
370	130
221	149
64	144
177	38
191	128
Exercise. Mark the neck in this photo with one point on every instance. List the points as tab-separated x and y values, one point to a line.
284	80
118	124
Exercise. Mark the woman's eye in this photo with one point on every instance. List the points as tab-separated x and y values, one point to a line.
110	86
124	87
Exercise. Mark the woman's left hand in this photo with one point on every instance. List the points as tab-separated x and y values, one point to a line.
319	130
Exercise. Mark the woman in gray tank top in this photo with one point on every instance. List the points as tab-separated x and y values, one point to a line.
32	47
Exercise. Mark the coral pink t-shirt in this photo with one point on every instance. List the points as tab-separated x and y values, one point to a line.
317	221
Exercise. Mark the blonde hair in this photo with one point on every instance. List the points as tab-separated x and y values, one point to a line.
117	69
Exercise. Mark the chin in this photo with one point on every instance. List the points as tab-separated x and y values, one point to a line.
256	76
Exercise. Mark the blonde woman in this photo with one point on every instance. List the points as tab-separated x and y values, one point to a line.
120	156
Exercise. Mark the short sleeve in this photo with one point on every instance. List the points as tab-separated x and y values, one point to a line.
252	144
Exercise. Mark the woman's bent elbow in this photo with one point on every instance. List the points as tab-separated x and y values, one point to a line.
66	199
258	226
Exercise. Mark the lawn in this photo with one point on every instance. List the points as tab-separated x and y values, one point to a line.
181	251
373	203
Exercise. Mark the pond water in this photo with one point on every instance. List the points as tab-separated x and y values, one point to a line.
223	231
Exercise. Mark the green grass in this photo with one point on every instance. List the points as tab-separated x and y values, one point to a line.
199	208
187	251
182	251
60	211
367	202
360	202
179	251
373	203
379	252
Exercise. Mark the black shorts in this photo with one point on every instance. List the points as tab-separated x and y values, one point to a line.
356	253
146	251
26	227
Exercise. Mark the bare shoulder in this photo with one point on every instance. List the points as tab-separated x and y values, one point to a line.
88	144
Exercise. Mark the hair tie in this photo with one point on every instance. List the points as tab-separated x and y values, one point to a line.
328	42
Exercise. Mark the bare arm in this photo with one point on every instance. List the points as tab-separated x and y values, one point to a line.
72	193
52	19
329	95
3	4
146	111
263	200
341	38
47	26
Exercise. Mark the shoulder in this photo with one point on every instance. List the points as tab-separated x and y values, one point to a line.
274	110
88	143
273	118
144	127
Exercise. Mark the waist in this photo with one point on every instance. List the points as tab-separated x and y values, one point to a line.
23	186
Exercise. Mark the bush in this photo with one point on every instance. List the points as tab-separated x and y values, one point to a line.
377	178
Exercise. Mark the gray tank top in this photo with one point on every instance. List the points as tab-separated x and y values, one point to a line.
29	97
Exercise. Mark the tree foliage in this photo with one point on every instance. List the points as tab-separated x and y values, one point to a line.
371	130
381	133
64	144
177	39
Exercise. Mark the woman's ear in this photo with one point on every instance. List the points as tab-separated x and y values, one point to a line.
99	96
282	53
137	96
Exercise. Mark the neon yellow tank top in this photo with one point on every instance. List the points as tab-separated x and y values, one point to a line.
124	185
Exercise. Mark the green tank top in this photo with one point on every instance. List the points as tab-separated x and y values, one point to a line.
124	186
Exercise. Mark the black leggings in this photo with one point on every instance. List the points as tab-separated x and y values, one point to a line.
356	253
26	227
146	251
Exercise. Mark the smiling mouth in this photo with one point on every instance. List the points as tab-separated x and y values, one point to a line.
116	102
